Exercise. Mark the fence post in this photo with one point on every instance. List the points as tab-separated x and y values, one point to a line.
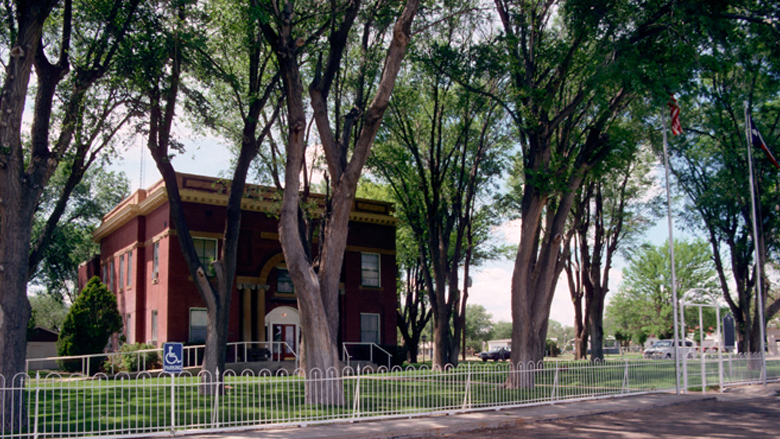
37	402
467	393
356	403
554	396
215	411
173	403
625	377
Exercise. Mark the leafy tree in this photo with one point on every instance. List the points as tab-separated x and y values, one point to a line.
48	311
570	68
71	241
440	150
643	307
413	311
90	322
346	141
479	327
558	331
165	53
64	128
502	330
610	210
737	65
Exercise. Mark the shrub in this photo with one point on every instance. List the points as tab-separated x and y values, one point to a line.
130	361
551	348
90	321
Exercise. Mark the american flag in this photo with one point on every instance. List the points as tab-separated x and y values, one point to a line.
674	110
758	141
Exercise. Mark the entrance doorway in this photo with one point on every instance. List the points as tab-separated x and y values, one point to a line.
283	327
285	334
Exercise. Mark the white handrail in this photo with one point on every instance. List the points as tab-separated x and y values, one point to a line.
371	351
189	352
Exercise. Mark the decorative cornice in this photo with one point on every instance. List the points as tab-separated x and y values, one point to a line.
372	218
215	192
127	211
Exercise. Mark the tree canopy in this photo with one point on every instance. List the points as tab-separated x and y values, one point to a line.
91	321
642	307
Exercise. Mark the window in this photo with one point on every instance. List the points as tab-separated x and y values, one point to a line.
369	269
284	282
128	332
129	268
156	261
111	276
198	319
121	270
207	252
154	326
105	274
369	328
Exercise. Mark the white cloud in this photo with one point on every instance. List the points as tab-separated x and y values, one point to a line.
509	231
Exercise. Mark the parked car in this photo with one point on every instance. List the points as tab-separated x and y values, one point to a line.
495	354
664	349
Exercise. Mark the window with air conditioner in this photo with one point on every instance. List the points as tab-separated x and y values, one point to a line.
369	270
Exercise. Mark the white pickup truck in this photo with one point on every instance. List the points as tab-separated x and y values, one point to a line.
664	349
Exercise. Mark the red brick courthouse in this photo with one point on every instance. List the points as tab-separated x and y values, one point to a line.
141	261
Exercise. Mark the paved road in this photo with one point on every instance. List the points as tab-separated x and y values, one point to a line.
741	412
758	418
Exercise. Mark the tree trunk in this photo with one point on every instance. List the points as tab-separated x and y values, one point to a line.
320	353
317	287
441	337
596	326
217	324
19	192
14	307
580	331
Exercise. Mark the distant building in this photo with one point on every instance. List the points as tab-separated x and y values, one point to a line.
141	261
41	343
505	343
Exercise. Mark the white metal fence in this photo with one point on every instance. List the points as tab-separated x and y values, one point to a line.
125	406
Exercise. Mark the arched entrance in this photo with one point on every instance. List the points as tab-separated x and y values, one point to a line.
283	324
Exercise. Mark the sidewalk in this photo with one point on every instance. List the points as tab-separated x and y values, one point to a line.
443	424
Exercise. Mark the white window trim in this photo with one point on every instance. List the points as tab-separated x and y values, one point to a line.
155	322
128	328
189	322
378	270
378	326
156	260
111	275
129	272
120	278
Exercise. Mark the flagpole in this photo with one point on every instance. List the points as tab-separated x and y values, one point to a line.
671	254
754	214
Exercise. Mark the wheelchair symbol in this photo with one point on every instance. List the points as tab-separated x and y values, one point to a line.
171	358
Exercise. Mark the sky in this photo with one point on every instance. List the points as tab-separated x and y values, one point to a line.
490	283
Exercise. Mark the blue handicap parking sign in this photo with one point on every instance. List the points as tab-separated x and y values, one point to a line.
173	357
